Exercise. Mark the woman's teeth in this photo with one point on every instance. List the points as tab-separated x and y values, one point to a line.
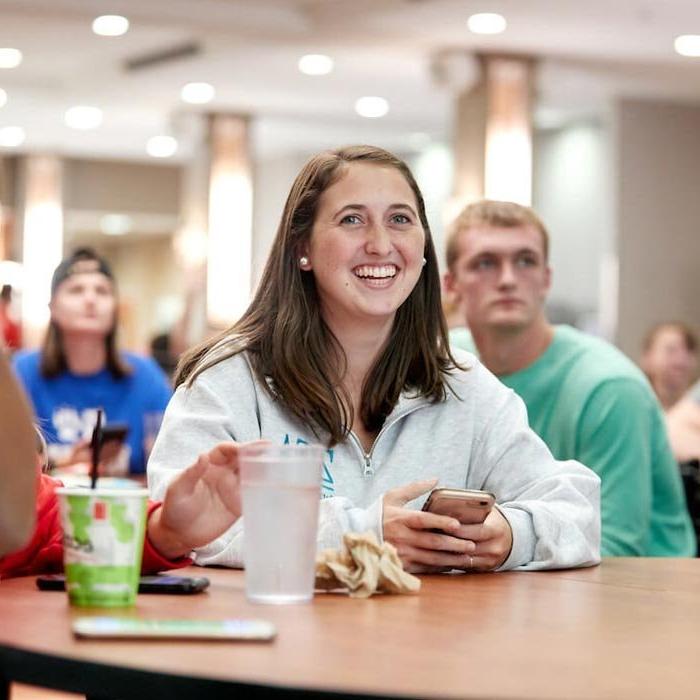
376	271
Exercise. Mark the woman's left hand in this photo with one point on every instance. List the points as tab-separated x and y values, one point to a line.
493	539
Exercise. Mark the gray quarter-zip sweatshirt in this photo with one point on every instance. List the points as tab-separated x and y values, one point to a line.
477	439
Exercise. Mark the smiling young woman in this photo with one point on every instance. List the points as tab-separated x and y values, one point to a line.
345	344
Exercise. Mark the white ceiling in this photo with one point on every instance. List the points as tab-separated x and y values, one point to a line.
588	52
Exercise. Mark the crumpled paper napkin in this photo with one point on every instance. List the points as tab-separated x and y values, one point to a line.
364	567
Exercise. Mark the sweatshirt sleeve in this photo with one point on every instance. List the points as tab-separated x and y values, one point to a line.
553	506
198	418
618	409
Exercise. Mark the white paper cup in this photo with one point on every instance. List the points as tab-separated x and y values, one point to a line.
103	533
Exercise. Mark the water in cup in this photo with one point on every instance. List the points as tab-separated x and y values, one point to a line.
280	489
281	572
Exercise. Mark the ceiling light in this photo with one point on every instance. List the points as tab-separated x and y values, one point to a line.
3	98
161	146
486	23
197	93
83	117
10	58
110	25
371	107
116	224
315	64
11	136
688	45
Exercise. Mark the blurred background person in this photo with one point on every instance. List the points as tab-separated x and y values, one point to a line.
79	369
17	463
670	360
584	398
683	422
10	328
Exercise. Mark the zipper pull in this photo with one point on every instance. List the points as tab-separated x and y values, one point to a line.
369	471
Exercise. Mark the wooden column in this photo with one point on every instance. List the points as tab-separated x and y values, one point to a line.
493	133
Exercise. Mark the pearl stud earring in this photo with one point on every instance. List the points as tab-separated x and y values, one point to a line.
424	261
303	261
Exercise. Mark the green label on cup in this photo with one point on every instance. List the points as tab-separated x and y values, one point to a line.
103	545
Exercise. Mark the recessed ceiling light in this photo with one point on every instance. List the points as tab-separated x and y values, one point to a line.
371	107
161	146
3	98
83	117
110	25
116	224
11	136
197	93
315	64
487	23
10	58
688	45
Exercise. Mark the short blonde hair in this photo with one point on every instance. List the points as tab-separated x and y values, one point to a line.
490	212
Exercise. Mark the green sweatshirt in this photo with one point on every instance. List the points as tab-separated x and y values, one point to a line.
590	403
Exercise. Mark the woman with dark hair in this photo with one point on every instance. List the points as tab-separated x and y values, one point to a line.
80	369
345	344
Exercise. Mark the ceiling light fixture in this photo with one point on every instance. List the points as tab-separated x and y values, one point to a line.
197	93
688	45
161	146
3	98
83	117
110	25
315	64
116	224
11	136
10	58
371	107
487	23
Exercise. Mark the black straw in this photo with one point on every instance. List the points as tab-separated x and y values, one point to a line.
96	446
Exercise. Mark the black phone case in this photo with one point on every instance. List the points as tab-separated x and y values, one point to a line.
173	585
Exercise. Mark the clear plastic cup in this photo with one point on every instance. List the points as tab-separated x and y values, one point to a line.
281	488
103	534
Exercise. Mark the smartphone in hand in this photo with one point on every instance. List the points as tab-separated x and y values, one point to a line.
468	506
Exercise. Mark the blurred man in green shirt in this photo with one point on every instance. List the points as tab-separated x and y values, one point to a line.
584	398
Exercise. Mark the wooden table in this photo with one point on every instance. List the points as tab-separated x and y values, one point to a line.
627	629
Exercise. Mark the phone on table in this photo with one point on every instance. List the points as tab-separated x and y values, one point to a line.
132	628
160	583
468	506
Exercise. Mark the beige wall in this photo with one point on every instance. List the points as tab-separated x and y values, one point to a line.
657	217
147	276
122	186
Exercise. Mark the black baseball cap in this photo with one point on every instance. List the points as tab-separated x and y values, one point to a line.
81	261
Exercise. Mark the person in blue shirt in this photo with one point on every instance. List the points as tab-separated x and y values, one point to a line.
79	370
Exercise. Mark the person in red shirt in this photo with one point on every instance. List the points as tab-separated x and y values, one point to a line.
10	329
200	504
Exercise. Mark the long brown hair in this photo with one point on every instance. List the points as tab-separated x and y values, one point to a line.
53	354
289	344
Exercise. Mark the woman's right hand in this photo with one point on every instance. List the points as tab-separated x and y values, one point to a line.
420	550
